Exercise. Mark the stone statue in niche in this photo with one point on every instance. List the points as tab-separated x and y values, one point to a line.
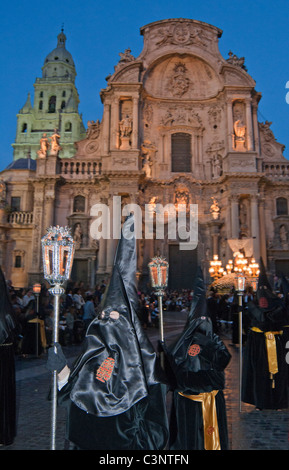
77	235
283	236
44	146
243	214
217	166
239	135
125	127
148	151
215	209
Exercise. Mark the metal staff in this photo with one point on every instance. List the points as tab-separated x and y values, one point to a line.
159	269
58	251
240	289
36	291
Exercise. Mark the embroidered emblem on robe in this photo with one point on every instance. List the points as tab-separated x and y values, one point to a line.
104	371
194	350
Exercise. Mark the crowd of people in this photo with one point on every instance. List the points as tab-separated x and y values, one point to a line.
79	305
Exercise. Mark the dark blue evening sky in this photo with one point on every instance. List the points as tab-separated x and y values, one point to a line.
98	31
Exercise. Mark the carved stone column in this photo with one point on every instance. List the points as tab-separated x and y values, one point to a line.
115	124
263	247
135	124
215	234
230	125
102	256
255	127
106	121
110	242
235	216
49	212
249	125
255	231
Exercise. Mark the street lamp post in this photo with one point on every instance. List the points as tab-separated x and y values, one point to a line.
57	252
159	269
36	291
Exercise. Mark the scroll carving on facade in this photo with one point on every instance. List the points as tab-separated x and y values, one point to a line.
182	34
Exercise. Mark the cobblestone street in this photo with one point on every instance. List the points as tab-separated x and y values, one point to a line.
248	429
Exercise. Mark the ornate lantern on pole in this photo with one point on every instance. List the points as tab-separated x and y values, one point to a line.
57	251
159	272
240	287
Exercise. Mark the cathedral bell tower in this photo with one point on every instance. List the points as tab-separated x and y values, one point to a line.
55	107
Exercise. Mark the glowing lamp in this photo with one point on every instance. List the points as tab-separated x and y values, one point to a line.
57	251
159	270
240	282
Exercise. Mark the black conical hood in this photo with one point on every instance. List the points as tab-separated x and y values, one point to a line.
122	285
285	290
262	279
198	318
122	342
8	322
284	286
270	312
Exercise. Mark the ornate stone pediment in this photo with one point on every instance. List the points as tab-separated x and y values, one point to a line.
180	33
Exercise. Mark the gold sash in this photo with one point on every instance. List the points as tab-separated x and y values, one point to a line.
42	331
271	351
210	420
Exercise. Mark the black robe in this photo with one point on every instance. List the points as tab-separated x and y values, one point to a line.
258	387
116	392
267	314
197	360
8	331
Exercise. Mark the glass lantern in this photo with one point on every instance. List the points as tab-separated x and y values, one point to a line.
159	270
57	250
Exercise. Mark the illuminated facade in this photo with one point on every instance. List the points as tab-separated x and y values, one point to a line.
179	125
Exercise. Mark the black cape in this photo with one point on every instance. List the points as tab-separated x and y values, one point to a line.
8	331
116	390
198	359
267	314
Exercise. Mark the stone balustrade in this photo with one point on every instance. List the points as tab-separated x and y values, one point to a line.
276	170
20	217
73	168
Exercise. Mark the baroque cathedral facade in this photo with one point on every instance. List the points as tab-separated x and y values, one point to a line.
179	125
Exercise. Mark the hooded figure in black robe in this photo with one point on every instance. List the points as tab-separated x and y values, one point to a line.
265	377
115	395
8	332
198	359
